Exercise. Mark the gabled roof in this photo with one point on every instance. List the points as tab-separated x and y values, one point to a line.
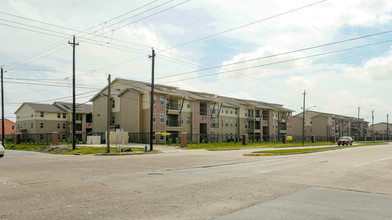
60	107
142	87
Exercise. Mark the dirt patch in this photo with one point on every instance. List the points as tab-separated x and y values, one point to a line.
55	149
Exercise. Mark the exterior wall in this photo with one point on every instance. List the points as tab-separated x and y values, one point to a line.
320	126
9	127
100	114
197	119
129	118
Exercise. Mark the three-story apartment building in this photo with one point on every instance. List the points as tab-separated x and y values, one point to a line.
36	118
175	110
328	125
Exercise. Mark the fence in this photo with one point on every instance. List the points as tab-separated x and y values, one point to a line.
165	138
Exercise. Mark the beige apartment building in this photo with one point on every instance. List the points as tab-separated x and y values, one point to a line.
203	116
35	118
328	125
380	130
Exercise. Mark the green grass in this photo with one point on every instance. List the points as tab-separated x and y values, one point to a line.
305	150
233	146
67	150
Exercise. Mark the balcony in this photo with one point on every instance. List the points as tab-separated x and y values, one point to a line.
283	131
173	108
283	119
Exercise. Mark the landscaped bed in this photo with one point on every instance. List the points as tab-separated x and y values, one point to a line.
67	149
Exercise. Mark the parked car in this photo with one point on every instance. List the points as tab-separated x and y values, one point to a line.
345	141
1	150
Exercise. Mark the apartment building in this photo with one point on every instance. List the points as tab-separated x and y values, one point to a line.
380	130
322	124
9	127
176	111
35	118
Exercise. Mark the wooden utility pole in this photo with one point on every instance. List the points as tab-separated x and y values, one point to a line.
152	100
73	94
303	120
2	109
387	129
358	125
108	119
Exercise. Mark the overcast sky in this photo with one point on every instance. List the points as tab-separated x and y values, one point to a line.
268	50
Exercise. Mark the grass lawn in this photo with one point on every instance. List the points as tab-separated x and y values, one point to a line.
233	146
305	150
67	149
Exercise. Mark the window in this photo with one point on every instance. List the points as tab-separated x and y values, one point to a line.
32	115
18	126
227	123
32	125
235	123
41	125
162	118
222	123
58	125
310	121
188	119
154	100
231	111
161	137
113	119
246	112
63	126
227	110
231	123
64	115
42	114
235	111
188	104
153	117
162	100
13	127
113	103
58	115
246	124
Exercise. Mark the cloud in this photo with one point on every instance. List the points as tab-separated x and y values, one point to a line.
376	69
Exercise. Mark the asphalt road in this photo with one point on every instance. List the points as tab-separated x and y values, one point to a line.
352	183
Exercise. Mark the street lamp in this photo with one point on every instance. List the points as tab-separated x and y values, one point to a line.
303	122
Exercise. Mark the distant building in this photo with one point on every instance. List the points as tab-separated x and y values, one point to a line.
380	130
321	124
177	110
9	127
35	118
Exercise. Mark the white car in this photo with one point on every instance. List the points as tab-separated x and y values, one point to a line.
1	150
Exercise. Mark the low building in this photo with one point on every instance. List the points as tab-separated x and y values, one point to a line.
9	127
36	118
203	115
329	125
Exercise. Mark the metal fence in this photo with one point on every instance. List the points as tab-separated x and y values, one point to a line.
174	137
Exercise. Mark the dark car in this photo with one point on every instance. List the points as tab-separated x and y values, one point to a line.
345	141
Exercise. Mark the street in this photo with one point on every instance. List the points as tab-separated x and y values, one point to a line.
352	183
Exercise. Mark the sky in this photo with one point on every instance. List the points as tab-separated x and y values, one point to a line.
339	52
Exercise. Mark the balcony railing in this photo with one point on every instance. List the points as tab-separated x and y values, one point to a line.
173	106
173	123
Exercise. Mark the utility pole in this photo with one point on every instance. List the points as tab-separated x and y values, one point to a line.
372	125
303	120
2	109
73	94
108	118
387	129
358	125
152	99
